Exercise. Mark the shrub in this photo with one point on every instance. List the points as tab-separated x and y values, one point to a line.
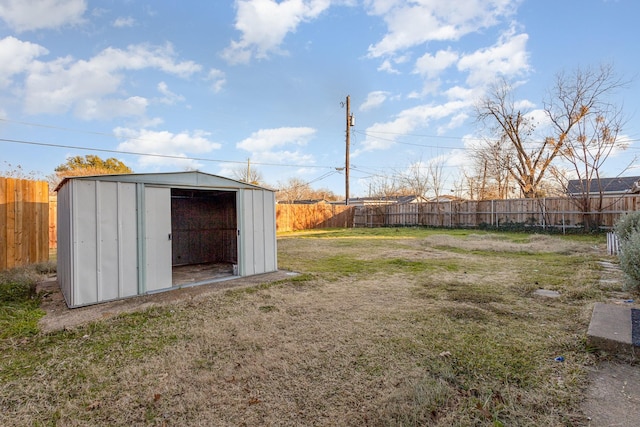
628	230
627	224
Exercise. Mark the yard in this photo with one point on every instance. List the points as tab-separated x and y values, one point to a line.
389	327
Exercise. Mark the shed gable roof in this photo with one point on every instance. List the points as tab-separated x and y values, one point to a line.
176	179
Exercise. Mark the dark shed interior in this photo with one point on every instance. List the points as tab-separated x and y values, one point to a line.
204	227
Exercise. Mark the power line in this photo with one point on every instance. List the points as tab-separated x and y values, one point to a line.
369	135
164	156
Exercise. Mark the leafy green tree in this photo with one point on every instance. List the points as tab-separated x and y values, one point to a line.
85	166
92	165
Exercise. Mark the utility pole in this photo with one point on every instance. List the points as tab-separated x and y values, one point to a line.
249	170
350	122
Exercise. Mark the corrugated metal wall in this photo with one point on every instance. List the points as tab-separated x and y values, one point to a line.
107	228
258	251
97	235
64	239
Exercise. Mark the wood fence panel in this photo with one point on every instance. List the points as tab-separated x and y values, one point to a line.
24	222
3	228
547	212
53	218
291	217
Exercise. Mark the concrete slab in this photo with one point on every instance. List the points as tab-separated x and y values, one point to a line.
611	329
613	398
546	293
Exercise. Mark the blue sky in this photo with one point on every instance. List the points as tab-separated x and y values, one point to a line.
207	85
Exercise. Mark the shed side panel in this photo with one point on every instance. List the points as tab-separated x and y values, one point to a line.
257	234
246	262
65	238
258	231
271	249
128	240
83	217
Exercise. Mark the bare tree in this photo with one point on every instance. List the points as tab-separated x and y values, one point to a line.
248	174
499	112
586	151
492	161
293	189
586	125
413	181
435	177
385	186
573	98
297	189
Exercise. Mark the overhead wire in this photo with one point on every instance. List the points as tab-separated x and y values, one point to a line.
166	156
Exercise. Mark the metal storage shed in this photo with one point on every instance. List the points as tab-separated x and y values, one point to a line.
126	235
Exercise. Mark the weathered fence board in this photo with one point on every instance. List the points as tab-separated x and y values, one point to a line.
53	218
24	222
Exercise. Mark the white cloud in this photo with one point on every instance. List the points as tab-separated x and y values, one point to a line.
381	136
26	15
265	140
265	23
374	100
386	66
456	121
463	93
124	22
164	143
65	84
16	57
272	146
508	58
432	65
137	57
91	109
169	98
413	23
218	78
283	157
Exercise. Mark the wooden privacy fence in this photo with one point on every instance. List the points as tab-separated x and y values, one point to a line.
303	217
24	222
561	213
53	220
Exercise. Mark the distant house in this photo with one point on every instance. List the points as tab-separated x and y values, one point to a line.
387	200
303	202
445	198
607	186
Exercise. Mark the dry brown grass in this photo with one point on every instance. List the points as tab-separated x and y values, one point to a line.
382	329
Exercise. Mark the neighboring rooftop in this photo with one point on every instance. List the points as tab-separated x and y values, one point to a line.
620	185
385	200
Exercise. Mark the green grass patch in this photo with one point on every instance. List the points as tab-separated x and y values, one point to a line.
19	302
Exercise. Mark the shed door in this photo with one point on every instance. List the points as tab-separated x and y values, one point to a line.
158	238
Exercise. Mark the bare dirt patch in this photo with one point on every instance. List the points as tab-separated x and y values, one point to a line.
499	243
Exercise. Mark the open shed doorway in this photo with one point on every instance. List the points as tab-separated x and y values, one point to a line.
204	230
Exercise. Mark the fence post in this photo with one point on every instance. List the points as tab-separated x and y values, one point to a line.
613	243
